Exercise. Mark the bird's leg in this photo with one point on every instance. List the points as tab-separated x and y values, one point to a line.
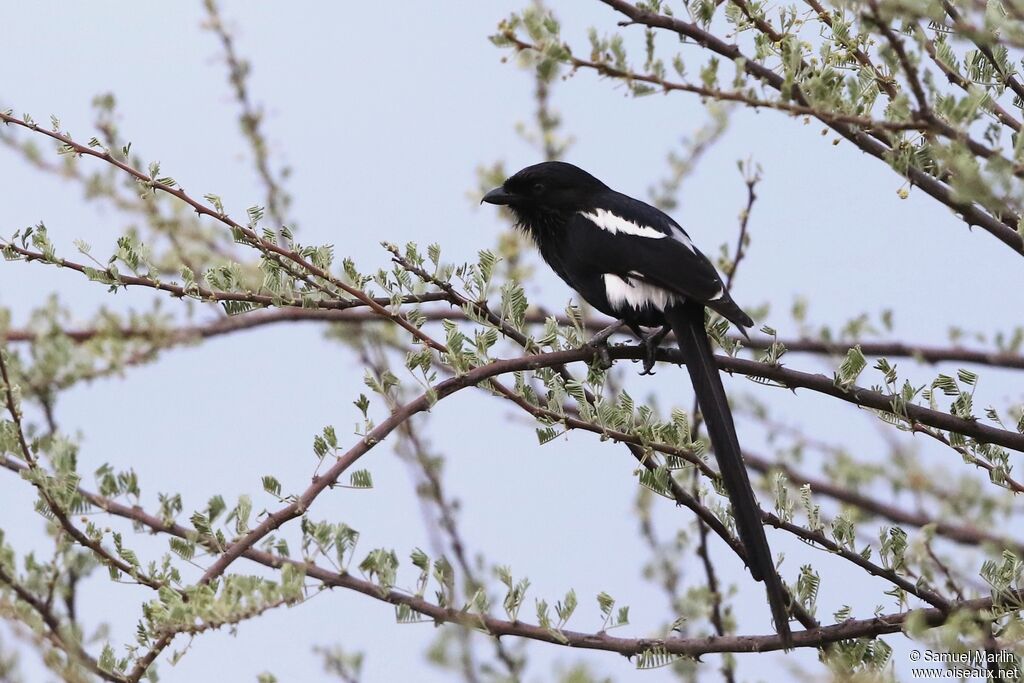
651	343
600	342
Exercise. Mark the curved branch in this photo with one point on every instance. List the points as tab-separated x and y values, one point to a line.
972	214
968	535
693	647
69	645
103	556
287	258
206	294
860	396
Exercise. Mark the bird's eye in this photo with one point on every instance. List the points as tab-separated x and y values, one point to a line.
538	188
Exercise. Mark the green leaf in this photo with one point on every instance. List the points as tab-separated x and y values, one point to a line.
241	514
657	480
546	434
361	479
272	486
407	615
851	368
654	658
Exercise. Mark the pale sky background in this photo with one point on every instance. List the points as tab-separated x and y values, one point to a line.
384	110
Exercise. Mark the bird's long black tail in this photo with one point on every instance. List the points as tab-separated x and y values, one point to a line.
687	322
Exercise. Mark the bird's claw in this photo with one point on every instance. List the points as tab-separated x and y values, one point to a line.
648	366
649	358
650	344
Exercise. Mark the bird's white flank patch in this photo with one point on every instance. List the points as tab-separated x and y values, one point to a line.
636	293
606	220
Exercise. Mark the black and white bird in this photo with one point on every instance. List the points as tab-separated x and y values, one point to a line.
633	262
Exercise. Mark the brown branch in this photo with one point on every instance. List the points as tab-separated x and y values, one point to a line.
728	673
69	645
353	314
867	123
814	637
924	354
103	555
1004	230
965	534
301	504
792	379
433	490
214	295
741	240
241	232
250	117
639	453
985	50
865	398
639	450
927	354
884	82
961	82
1009	483
693	647
715	591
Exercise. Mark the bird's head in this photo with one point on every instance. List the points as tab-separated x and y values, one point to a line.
551	186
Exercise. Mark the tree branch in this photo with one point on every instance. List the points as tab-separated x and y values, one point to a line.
693	647
1004	230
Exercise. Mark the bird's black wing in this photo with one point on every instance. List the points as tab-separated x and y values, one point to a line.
628	238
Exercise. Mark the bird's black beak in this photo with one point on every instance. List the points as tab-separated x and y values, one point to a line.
498	196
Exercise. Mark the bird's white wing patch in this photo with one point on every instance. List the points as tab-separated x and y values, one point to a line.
606	220
636	293
679	236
